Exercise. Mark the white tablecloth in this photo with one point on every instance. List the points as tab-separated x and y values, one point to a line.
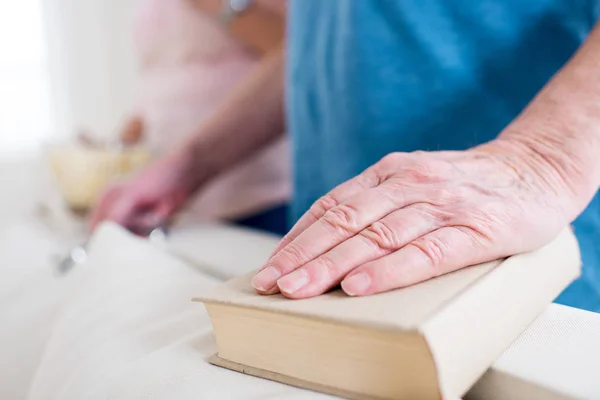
128	330
123	326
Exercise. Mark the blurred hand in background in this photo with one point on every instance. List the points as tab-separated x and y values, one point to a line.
191	62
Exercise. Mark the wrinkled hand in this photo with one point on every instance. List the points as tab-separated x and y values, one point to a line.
148	200
414	216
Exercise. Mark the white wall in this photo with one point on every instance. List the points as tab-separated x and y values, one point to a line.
92	65
25	118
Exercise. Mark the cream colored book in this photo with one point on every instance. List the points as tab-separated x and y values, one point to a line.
428	341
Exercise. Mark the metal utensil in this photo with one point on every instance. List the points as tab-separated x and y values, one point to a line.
77	255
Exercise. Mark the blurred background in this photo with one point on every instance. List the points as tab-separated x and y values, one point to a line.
65	66
61	72
61	68
91	91
24	78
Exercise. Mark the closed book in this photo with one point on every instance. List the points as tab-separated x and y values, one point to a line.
428	341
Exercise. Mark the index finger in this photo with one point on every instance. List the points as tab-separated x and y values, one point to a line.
368	179
336	226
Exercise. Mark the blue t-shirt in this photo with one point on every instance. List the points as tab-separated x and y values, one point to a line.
370	77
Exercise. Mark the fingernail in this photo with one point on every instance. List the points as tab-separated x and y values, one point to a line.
293	282
356	285
266	279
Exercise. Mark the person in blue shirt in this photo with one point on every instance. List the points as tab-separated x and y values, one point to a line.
427	136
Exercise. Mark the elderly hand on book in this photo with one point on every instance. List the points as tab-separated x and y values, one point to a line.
414	216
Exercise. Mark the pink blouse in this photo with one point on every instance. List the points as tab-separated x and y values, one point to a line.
188	65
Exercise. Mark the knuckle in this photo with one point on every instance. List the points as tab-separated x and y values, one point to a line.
287	238
292	254
434	250
371	177
472	237
328	267
485	222
419	153
439	214
321	206
390	163
342	217
421	172
380	235
392	158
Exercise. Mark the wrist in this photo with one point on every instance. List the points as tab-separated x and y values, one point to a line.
559	128
186	168
567	141
540	161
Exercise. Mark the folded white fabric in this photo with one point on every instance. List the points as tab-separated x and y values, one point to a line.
130	331
30	297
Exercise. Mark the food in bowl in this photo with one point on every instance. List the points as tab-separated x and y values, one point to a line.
83	173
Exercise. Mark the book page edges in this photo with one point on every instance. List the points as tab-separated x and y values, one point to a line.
472	330
288	380
410	355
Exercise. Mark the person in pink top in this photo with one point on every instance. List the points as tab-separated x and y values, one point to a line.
192	62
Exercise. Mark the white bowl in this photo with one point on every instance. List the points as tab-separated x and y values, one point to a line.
82	173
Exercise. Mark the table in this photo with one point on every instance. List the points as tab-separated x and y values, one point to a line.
123	326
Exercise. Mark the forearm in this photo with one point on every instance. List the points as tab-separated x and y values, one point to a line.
562	125
249	119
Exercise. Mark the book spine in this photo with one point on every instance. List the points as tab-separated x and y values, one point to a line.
471	331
